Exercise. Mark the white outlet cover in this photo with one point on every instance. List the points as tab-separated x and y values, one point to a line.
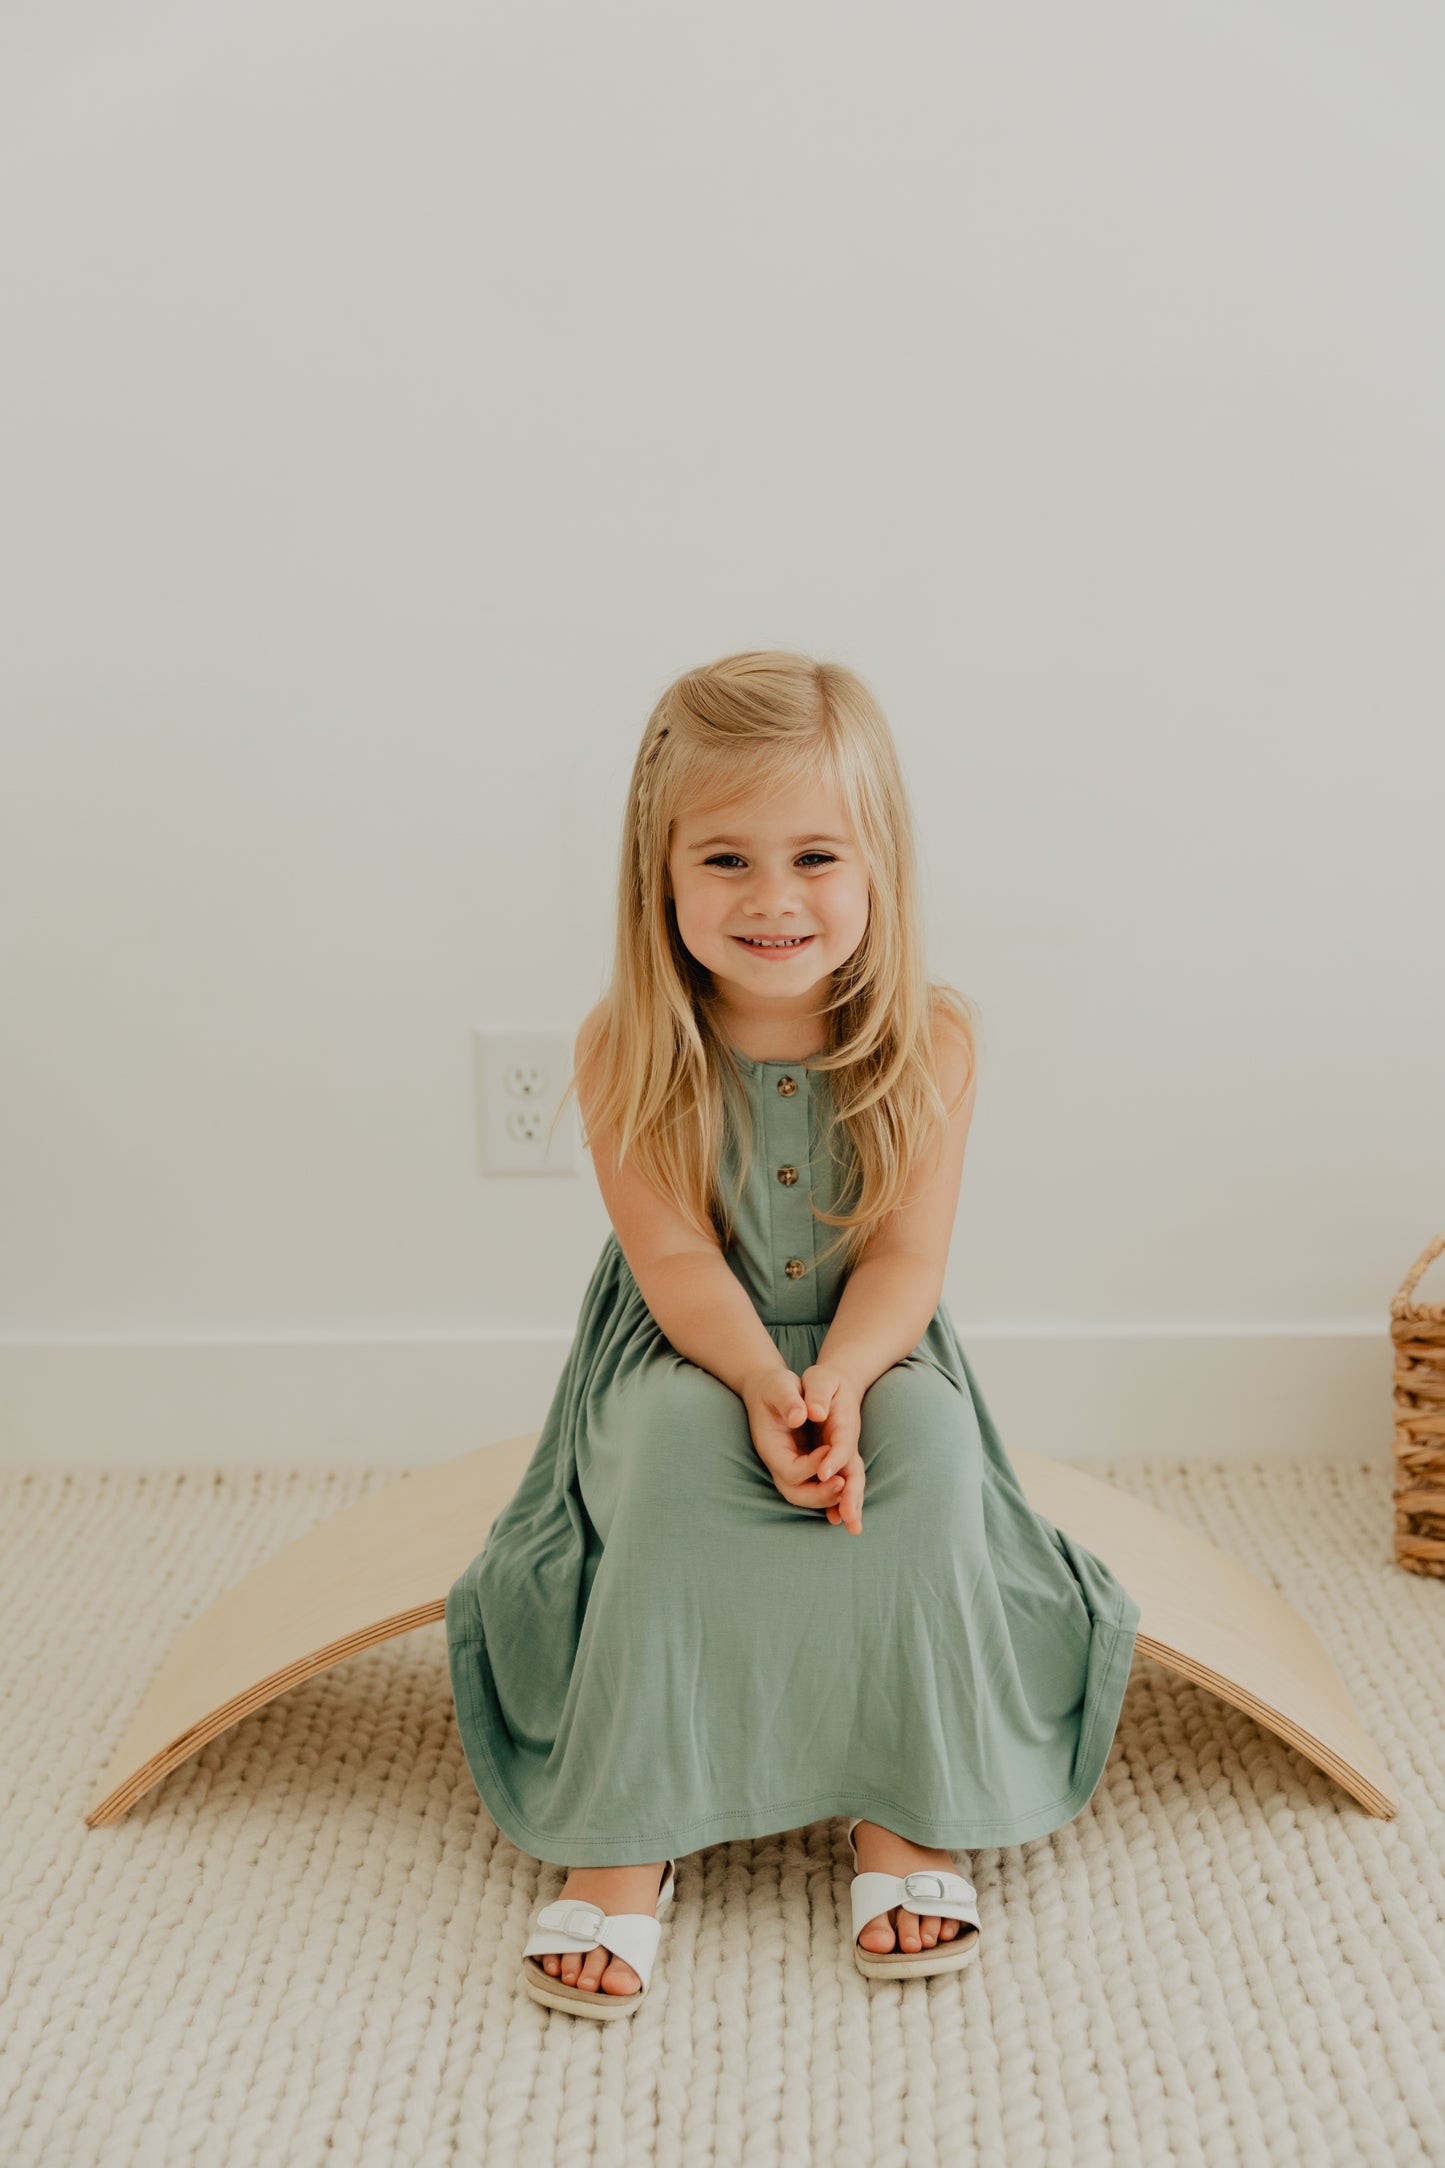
520	1079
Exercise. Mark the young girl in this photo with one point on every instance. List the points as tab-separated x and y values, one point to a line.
769	1561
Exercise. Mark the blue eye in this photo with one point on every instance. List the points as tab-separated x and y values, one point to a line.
826	856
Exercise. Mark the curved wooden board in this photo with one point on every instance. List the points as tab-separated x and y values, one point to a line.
1210	1619
384	1565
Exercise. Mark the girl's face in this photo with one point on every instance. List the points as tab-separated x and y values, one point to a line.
786	869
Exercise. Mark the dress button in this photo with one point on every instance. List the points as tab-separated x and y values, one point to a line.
787	1176
787	1085
795	1268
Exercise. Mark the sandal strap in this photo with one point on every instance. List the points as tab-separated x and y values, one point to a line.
926	1891
571	1923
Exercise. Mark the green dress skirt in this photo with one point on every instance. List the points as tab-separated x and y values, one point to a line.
653	1651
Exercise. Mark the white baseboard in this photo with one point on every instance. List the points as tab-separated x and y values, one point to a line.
406	1400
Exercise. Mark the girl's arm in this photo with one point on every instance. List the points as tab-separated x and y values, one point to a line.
882	1314
707	1314
897	1284
697	1299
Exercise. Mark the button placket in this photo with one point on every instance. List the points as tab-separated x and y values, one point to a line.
788	1147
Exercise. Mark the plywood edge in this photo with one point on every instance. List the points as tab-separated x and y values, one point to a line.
1372	1791
123	1796
371	1570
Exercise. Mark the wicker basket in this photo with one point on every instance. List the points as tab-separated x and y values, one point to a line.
1418	1331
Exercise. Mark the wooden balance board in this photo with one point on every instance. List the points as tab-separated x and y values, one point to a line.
384	1565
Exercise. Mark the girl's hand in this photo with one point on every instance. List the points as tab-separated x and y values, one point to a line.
836	1403
775	1405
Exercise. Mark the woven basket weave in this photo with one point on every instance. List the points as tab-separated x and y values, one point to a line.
1418	1331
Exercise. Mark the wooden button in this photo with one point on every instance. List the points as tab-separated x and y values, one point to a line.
795	1268
787	1085
787	1176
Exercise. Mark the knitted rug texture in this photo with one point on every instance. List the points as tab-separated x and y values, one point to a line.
304	1945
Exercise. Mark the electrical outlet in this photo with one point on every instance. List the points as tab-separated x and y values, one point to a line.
520	1079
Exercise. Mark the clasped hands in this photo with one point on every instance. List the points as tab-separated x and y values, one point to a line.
831	1473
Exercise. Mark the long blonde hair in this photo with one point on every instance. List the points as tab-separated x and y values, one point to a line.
656	1065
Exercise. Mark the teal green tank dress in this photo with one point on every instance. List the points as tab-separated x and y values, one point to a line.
653	1651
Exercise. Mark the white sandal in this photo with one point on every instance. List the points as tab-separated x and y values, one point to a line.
571	1923
925	1891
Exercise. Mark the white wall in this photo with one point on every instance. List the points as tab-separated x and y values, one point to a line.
395	398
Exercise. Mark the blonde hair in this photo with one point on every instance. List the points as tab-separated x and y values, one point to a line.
749	725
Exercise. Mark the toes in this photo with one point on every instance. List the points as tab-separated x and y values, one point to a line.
936	1929
599	1969
913	1933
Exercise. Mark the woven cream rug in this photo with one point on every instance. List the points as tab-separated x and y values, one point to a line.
303	1947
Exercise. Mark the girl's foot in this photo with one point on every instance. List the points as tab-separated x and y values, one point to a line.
616	1889
880	1852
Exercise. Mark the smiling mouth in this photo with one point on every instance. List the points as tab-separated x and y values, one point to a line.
786	947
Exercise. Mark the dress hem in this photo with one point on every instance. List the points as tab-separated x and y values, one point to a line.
1108	1673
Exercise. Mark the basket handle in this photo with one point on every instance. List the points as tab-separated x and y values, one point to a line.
1407	1286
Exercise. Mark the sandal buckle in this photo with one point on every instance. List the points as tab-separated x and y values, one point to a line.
916	1884
575	1916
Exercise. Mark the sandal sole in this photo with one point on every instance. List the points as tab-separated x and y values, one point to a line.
911	1964
577	2001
